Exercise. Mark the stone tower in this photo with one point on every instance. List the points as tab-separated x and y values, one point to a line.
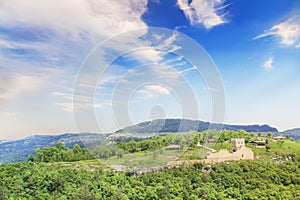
237	144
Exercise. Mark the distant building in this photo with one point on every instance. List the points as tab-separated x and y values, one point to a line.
173	147
280	137
239	152
139	149
211	141
259	143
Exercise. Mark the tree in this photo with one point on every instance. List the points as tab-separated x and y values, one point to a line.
269	134
59	146
39	154
120	153
132	146
259	134
47	154
31	158
3	192
77	150
84	193
68	155
287	136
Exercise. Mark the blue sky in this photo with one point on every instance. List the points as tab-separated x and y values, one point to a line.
254	45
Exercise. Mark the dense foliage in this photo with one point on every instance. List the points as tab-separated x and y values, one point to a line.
53	174
237	180
159	142
60	153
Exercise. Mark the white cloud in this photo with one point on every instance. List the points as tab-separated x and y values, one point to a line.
70	29
17	84
104	18
288	31
152	91
150	54
188	69
81	102
66	31
268	65
6	44
298	45
155	47
68	106
158	89
206	12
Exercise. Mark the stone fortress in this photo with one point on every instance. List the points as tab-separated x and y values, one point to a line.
239	152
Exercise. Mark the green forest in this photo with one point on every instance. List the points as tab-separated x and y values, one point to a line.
58	172
237	180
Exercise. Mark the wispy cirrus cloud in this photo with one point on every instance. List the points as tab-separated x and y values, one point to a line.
82	102
210	13
288	31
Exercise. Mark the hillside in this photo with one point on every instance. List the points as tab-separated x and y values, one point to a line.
273	174
185	125
19	150
294	133
165	149
89	180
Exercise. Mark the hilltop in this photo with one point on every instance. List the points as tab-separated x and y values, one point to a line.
185	125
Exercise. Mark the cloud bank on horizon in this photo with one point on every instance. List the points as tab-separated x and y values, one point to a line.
43	44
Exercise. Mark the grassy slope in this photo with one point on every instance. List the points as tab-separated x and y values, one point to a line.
277	149
160	158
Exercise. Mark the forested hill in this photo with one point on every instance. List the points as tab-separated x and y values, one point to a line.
184	125
19	150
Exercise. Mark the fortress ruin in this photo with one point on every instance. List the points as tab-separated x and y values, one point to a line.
239	152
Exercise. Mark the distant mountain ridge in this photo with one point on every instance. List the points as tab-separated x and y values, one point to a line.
19	150
294	133
2	141
184	125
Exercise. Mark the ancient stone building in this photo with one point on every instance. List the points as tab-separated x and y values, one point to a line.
237	144
239	152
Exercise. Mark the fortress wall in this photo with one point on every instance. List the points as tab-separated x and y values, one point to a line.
242	153
245	153
221	156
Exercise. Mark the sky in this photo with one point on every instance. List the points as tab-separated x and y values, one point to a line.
98	66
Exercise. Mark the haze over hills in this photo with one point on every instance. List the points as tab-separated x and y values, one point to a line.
294	133
19	150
